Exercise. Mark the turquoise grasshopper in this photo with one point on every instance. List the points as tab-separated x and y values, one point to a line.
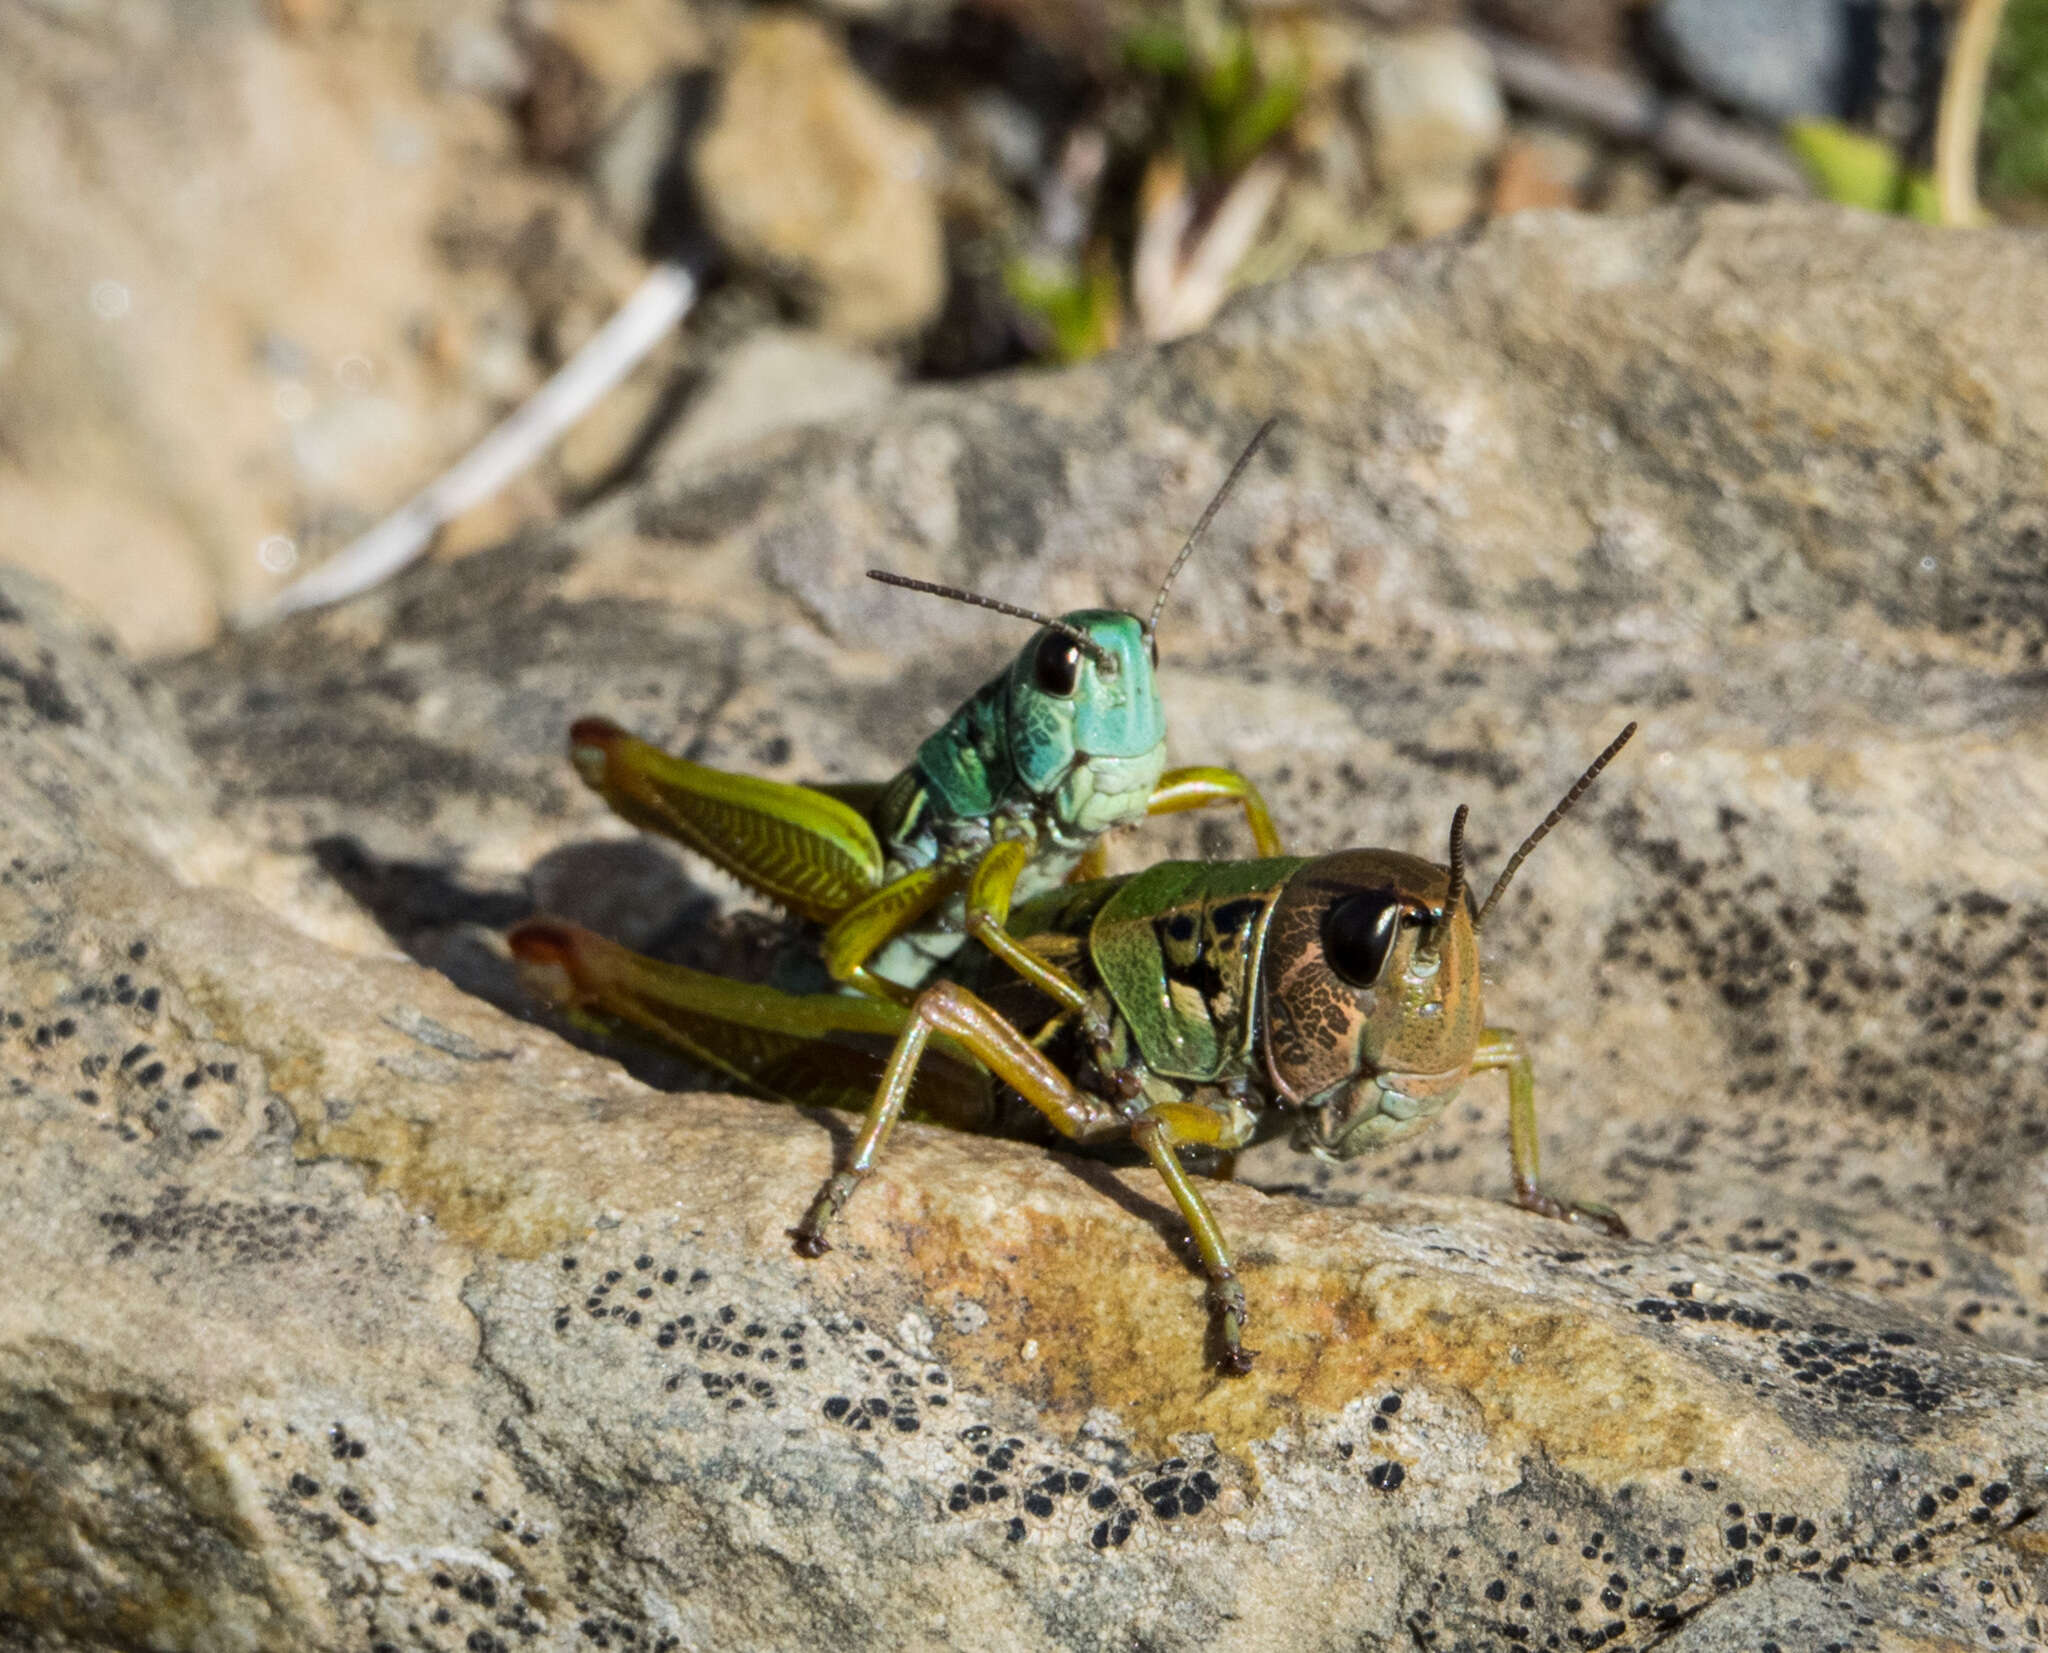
1193	1006
1011	796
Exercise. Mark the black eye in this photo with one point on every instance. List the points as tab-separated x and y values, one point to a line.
1058	666
1358	936
1152	643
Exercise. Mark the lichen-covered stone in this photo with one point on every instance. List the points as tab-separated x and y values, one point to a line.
357	1312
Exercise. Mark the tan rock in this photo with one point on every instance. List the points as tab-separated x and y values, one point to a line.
219	341
627	45
1525	179
809	173
777	379
1436	116
282	1380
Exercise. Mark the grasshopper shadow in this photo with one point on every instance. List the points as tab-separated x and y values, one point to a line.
628	890
1097	1169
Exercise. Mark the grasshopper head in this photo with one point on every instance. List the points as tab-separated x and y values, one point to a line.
1370	982
1083	691
1370	974
1082	700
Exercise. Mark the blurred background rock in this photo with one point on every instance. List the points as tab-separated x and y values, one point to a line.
266	269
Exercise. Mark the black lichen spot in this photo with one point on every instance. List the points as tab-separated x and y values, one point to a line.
304	1486
40	690
1386	1476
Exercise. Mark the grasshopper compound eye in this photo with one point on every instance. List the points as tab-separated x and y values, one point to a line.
1057	667
1359	933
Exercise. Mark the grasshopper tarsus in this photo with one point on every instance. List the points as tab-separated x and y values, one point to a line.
1584	1214
1229	1317
831	1200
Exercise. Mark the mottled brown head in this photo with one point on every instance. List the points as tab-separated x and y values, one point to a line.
1370	981
1366	974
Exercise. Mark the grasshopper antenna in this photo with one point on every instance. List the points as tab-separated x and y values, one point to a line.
1104	660
1208	516
1563	804
1456	892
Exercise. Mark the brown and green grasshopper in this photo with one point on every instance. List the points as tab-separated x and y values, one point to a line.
1196	1005
1012	794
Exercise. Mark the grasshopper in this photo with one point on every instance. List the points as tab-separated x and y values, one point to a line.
1011	795
1197	1005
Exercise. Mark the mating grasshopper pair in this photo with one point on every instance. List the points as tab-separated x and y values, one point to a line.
1190	1006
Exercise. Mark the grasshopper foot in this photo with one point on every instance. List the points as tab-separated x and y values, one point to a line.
1229	1317
1586	1213
831	1200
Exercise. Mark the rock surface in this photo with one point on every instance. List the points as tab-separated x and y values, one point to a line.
361	1314
285	267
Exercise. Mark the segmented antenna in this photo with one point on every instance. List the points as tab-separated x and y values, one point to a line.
1103	659
1208	516
1563	804
1457	890
1456	893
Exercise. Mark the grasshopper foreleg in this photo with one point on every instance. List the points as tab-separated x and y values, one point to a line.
1204	786
1159	1131
864	930
988	911
1499	1048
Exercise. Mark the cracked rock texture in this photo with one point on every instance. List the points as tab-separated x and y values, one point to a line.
345	1310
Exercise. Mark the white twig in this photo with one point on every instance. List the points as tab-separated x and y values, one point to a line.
656	306
1960	125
